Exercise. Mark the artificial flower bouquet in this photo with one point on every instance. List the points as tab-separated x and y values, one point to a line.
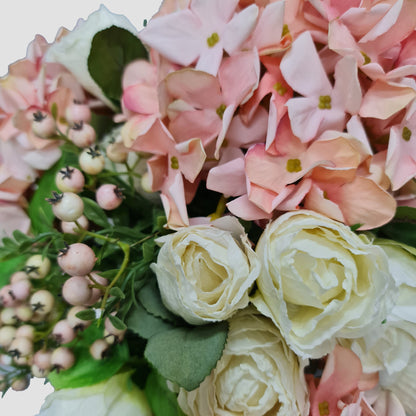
214	215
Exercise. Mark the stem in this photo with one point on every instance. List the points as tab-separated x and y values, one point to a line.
126	250
219	212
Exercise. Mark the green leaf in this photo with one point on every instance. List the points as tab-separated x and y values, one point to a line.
111	50
117	292
8	267
95	213
145	324
355	227
117	322
86	370
149	297
148	248
187	355
39	210
163	402
86	315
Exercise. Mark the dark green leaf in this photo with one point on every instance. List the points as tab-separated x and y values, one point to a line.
111	50
95	213
86	315
150	298
355	227
117	292
109	274
144	324
117	322
187	355
162	401
86	370
20	237
406	214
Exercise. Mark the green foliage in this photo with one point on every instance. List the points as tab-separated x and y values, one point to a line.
162	401
86	370
40	211
8	267
117	323
111	50
145	324
402	228
187	355
95	213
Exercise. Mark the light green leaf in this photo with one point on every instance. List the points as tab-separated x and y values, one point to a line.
187	355
95	213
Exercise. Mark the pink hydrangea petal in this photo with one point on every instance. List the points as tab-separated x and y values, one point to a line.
364	202
226	120
243	208
356	129
141	98
197	88
269	27
176	36
191	157
383	99
214	12
136	126
298	193
239	28
157	166
210	59
156	139
347	88
12	217
303	70
228	178
139	72
305	117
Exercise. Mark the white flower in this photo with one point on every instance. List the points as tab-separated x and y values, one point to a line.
321	281
205	272
113	397
257	375
73	49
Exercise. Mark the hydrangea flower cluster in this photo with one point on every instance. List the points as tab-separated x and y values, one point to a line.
218	210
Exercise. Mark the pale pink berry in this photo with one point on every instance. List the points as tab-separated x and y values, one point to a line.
76	290
21	289
16	276
112	330
82	134
7	334
146	183
24	313
91	161
20	383
20	347
77	259
38	372
99	349
70	179
62	332
37	266
77	112
67	206
7	297
42	359
72	228
27	331
109	196
117	152
62	358
8	316
42	302
43	125
75	322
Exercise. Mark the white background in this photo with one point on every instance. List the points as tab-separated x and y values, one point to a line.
20	21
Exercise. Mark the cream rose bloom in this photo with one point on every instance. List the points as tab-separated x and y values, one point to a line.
257	375
113	397
321	281
205	272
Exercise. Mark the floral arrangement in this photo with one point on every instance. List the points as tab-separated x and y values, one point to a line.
215	215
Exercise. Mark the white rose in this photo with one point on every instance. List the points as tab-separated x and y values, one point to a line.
257	375
391	348
73	49
113	397
321	281
205	272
